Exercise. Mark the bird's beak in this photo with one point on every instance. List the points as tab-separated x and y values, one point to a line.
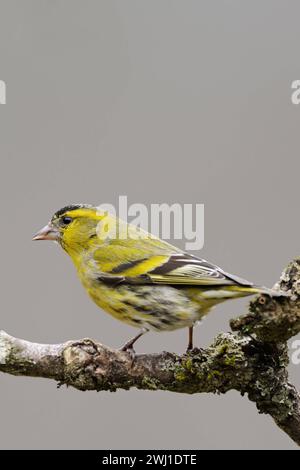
47	233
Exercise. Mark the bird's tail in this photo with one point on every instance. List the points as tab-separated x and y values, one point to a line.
251	290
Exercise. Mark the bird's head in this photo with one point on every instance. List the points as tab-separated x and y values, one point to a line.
74	227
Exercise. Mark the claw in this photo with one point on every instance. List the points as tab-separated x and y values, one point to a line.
129	345
130	351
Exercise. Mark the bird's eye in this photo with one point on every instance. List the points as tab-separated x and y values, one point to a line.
66	220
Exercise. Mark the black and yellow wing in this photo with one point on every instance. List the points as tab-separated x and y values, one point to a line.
178	269
190	270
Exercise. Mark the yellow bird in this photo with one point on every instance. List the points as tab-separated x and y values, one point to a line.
138	278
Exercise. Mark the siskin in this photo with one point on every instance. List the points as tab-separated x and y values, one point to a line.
138	278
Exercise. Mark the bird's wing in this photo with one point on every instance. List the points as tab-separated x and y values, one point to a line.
138	257
173	269
185	269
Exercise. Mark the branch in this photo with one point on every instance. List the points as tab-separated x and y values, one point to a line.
252	360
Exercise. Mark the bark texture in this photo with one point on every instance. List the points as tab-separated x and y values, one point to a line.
251	359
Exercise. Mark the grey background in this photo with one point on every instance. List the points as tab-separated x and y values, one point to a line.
164	101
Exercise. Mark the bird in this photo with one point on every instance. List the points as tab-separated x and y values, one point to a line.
138	278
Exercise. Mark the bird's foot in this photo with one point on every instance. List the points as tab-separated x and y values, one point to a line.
130	351
193	350
128	346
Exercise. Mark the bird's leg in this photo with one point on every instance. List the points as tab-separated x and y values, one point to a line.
129	344
190	343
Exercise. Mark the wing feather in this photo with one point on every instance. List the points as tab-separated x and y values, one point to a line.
189	270
176	269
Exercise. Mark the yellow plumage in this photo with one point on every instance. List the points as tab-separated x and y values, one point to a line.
138	278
